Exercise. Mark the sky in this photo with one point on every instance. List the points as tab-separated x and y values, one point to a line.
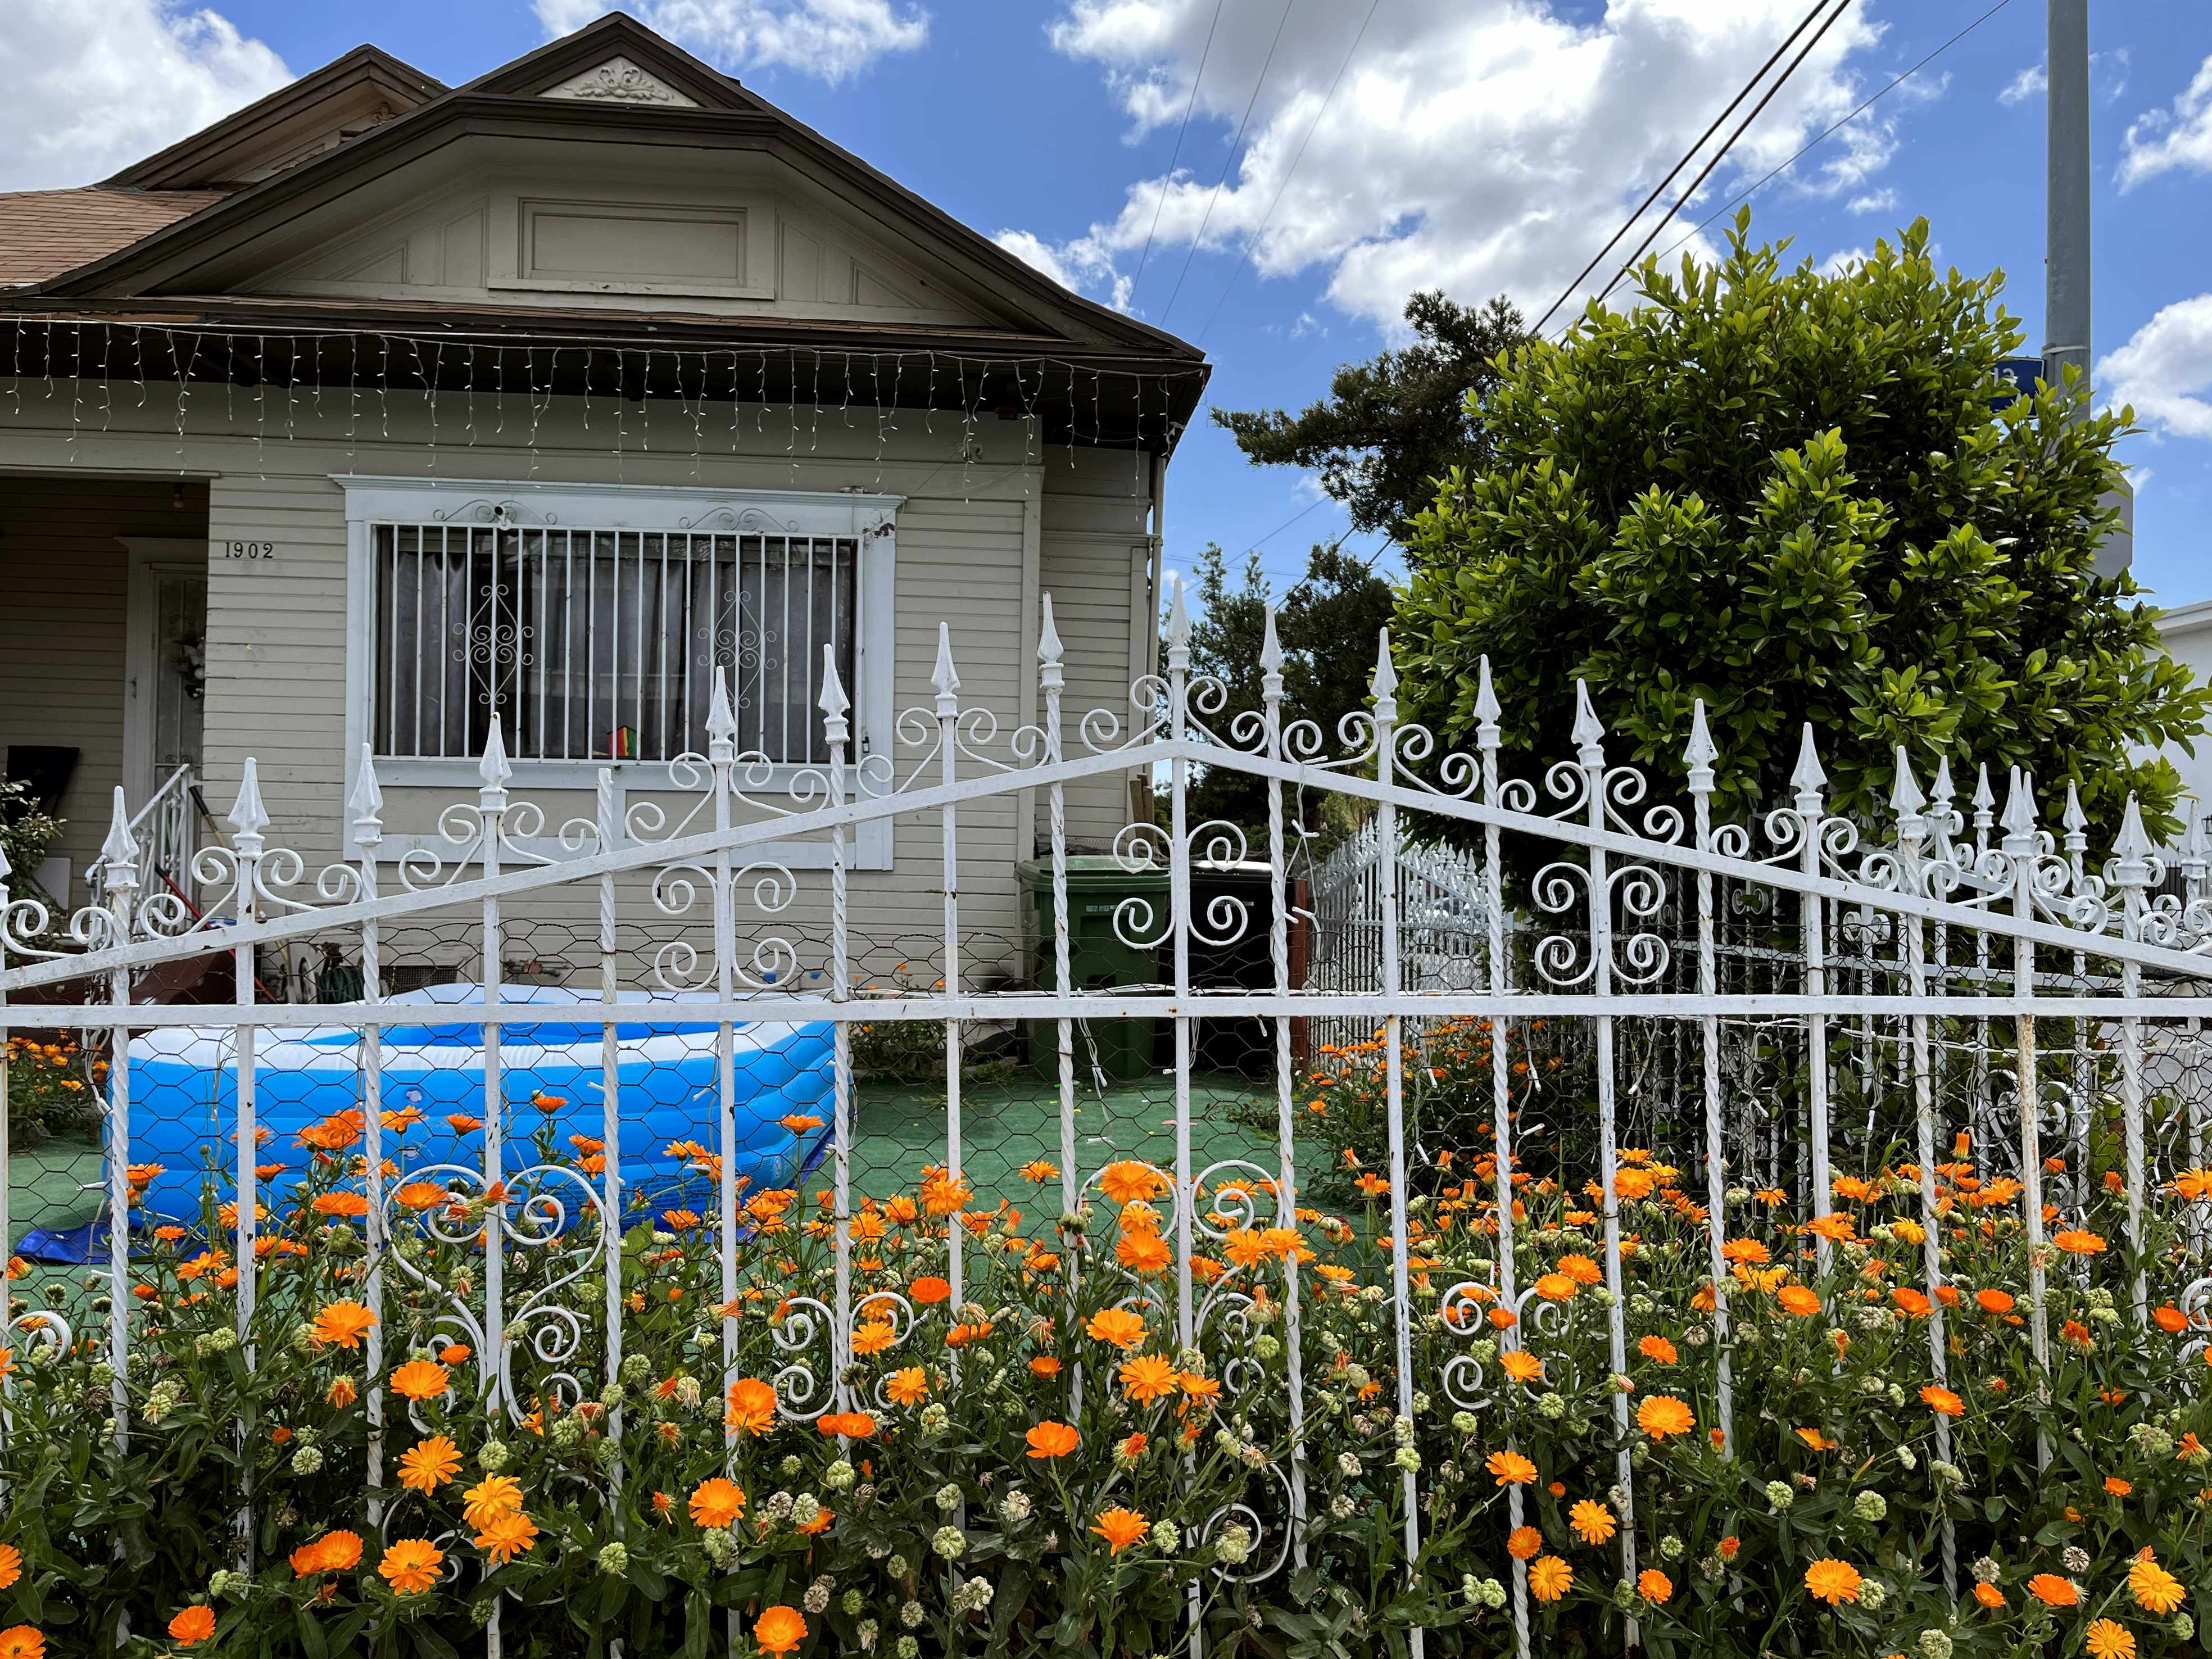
1271	178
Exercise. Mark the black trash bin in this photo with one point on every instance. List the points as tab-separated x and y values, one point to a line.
1097	957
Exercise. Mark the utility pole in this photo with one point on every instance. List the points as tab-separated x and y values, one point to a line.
2066	233
2066	237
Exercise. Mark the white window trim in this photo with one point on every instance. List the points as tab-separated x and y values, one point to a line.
870	518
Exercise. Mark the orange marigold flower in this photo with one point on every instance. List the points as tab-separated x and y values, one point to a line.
2170	1320
1522	1365
1816	1440
1593	1521
11	1565
1662	1414
420	1379
341	1204
2107	1638
1911	1301
503	1537
1510	1468
853	1426
342	1324
1120	1528
1118	1326
1993	1302
752	1406
1748	1250
907	1386
1633	1183
1581	1269
1050	1439
1524	1542
1942	1402
1039	1171
1654	1586
1148	1377
2076	1240
1796	1299
2053	1591
1044	1365
1550	1578
1836	1228
193	1625
872	1336
717	1501
779	1630
1989	1595
1729	1545
410	1566
1556	1287
496	1494
1832	1581
1143	1251
2117	1487
2154	1589
429	1464
930	1288
1129	1182
1658	1349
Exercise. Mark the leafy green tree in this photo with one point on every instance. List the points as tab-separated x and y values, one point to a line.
1392	427
1327	624
1799	496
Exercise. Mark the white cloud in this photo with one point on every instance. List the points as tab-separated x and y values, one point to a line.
1875	201
2158	142
828	39
94	84
2030	82
1477	145
2166	369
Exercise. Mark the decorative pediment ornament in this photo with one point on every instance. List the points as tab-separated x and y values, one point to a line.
618	80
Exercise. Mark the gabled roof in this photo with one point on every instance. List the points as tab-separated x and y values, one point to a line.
345	97
525	99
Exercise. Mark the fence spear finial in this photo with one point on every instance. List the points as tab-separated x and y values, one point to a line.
118	853
2076	824
1050	674
833	703
2131	849
721	719
1487	709
1808	780
1385	683
945	677
2019	819
1700	753
248	817
1590	732
1905	797
492	769
367	801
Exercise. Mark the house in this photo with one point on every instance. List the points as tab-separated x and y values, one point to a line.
382	408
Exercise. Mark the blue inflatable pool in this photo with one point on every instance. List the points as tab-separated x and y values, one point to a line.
184	1084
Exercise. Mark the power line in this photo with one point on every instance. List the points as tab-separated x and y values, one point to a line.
1747	195
1253	242
1674	171
1180	133
1234	146
1696	184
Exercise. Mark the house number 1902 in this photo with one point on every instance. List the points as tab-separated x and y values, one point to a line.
259	550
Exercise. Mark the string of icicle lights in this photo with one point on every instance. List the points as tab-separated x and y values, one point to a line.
782	393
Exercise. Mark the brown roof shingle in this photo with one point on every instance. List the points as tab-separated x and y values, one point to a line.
44	232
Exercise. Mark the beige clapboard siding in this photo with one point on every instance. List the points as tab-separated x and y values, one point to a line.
1093	538
278	636
63	588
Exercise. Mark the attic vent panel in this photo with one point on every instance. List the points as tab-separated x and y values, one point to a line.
614	248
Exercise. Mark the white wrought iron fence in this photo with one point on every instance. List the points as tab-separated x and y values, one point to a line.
618	1199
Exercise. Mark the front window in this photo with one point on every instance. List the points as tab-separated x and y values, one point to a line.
601	644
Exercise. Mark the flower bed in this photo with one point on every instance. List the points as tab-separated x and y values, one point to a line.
1036	1462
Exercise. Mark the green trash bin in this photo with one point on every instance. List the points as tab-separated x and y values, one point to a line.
1097	958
